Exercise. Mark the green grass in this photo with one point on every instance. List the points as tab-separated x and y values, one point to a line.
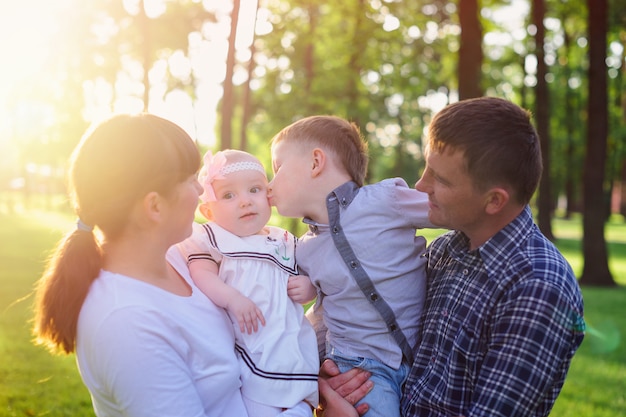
35	383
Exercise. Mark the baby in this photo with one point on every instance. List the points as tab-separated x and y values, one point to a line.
243	265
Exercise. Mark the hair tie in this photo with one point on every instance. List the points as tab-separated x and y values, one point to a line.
82	226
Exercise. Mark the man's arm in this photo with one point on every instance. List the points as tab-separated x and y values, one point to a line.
531	343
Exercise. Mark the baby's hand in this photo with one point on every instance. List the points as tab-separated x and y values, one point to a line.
300	289
247	314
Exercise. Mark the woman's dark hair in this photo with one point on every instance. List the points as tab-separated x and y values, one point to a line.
116	163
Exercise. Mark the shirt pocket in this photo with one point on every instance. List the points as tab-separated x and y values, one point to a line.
468	353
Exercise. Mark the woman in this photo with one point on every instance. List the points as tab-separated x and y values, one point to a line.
147	342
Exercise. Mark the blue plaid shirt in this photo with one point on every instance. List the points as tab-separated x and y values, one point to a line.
500	326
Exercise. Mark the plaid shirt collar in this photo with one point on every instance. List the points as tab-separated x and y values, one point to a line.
495	252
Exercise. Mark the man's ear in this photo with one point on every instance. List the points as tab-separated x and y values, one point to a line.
206	211
318	157
496	200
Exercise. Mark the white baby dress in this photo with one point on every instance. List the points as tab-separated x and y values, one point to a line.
280	362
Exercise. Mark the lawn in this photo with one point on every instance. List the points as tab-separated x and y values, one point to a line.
35	383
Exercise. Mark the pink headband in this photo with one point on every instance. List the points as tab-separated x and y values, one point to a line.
216	168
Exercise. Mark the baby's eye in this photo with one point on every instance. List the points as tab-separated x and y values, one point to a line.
255	190
228	196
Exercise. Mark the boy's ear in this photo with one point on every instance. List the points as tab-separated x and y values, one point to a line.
497	199
206	211
318	162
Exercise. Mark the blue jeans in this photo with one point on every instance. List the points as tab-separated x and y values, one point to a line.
384	398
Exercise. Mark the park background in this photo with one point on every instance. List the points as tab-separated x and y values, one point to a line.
234	72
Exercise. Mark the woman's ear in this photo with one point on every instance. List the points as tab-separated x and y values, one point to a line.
152	205
497	199
206	211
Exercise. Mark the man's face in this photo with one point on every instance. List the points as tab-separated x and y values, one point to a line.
454	202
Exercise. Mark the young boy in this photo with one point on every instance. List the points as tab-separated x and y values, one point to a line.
361	251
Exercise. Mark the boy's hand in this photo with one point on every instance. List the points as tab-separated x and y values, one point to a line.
247	314
300	289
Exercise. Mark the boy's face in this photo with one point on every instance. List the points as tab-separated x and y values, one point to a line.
291	166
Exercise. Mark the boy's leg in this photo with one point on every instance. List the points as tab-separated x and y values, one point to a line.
384	398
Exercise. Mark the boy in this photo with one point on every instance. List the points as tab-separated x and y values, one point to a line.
361	251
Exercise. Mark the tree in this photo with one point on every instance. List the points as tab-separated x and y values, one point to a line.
247	91
228	100
596	267
470	50
542	118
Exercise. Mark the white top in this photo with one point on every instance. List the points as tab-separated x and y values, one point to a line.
279	363
143	351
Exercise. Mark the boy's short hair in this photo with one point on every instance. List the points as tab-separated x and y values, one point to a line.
499	143
337	136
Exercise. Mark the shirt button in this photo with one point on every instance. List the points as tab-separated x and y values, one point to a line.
465	271
335	229
444	313
373	296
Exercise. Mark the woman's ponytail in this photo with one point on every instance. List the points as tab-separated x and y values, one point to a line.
74	264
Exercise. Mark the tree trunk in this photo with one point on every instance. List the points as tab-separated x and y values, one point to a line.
570	130
470	50
146	53
247	93
622	197
542	118
622	174
309	55
596	267
228	102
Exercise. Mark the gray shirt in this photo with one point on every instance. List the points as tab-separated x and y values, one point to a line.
380	222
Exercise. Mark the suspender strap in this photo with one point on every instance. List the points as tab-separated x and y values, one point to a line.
362	278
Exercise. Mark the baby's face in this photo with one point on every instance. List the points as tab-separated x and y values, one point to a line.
242	206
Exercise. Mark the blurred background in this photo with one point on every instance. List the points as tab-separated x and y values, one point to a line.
234	72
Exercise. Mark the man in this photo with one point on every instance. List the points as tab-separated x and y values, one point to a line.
504	313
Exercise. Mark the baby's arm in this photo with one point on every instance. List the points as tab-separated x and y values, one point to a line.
300	289
204	274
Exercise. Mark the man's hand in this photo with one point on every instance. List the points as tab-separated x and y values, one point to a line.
340	391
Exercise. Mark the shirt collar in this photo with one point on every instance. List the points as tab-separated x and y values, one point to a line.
344	194
496	251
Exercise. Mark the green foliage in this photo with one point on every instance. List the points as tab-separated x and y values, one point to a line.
35	383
